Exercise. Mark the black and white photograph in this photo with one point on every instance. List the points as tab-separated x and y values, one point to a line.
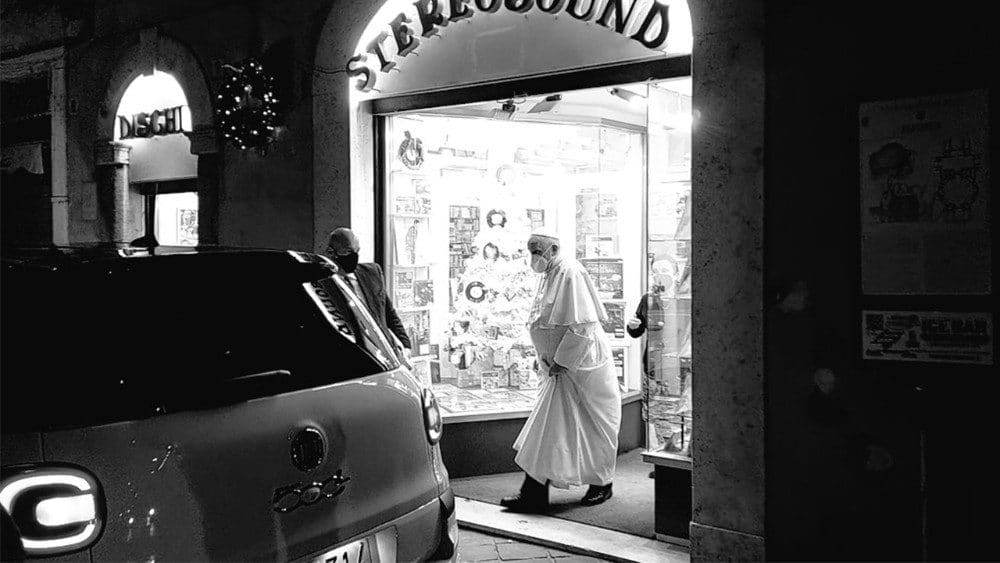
487	281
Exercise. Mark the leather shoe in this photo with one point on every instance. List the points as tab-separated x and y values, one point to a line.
596	495
533	497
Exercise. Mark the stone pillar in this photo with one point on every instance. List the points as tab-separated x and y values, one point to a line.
204	143
113	188
728	260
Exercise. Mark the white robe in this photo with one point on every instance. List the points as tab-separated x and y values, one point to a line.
571	436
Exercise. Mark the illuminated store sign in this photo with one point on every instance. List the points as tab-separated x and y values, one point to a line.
159	122
611	14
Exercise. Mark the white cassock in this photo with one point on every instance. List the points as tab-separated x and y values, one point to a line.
571	437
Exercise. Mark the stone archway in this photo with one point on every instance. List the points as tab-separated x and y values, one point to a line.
728	511
163	53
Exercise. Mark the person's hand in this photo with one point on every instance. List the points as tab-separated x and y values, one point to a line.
556	370
634	323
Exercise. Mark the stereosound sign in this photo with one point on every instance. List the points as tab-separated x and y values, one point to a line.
611	14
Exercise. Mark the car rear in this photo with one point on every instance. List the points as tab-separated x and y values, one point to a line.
212	406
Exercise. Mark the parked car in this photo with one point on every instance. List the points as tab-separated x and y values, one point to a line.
193	405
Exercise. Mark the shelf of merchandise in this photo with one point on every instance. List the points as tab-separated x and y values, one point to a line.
413	309
412	266
501	414
417	215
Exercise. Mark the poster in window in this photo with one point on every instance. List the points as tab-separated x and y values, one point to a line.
418	327
536	218
925	195
423	292
615	324
403	292
411	241
607	276
187	227
601	246
925	336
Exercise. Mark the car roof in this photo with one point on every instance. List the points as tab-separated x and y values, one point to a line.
115	258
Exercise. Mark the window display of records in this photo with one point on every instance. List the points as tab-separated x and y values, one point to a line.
475	291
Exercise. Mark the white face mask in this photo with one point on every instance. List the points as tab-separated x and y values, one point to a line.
539	262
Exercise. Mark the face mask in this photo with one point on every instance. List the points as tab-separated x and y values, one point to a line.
347	262
539	262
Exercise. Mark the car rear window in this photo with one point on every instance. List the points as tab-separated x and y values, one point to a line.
86	346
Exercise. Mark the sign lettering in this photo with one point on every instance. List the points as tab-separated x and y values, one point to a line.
159	122
614	16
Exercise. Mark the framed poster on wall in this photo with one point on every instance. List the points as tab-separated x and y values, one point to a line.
925	195
928	336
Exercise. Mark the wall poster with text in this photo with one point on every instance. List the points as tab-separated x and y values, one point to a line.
922	336
925	195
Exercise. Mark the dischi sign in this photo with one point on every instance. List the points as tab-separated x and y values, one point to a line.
613	15
159	122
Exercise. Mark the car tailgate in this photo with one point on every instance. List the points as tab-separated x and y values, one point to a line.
222	483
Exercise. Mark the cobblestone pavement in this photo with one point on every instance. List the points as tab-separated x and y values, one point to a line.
477	546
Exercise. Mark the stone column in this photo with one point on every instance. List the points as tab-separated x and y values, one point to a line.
728	256
113	188
204	143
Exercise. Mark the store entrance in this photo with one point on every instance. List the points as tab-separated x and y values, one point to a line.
608	170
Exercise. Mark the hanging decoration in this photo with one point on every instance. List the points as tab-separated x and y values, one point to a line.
246	106
411	152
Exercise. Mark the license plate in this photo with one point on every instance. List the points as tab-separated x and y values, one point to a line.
355	552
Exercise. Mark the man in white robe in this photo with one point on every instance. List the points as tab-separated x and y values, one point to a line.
571	436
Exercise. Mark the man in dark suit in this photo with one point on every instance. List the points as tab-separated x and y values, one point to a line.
366	281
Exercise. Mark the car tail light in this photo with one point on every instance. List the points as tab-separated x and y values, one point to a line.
432	417
57	509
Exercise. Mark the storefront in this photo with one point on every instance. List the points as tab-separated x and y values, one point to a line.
151	121
156	156
475	123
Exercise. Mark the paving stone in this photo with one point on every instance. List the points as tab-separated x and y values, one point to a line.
557	553
472	537
580	559
478	553
522	551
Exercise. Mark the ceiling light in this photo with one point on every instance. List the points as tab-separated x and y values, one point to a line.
628	95
547	104
505	111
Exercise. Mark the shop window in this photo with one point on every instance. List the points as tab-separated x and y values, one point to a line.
170	212
608	169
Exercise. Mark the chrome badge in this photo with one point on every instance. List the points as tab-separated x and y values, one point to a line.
287	499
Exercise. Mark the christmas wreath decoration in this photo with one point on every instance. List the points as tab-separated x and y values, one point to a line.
246	106
411	151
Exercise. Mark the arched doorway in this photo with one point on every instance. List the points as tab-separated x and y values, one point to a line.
157	150
727	178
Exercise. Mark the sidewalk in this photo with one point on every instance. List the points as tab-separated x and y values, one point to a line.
476	546
564	536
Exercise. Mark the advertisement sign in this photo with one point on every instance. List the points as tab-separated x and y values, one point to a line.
923	336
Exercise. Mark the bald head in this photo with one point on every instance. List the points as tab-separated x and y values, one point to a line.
343	241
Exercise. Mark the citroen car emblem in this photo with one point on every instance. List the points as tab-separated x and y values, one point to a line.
308	449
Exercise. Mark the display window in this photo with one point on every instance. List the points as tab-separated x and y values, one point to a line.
466	185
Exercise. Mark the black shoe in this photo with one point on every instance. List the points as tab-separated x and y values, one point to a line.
596	495
533	497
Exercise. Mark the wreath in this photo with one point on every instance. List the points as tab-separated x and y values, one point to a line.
246	106
411	152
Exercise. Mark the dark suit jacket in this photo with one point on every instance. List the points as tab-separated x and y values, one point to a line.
379	305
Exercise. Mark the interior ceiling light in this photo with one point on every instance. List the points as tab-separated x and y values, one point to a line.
547	104
505	111
628	95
